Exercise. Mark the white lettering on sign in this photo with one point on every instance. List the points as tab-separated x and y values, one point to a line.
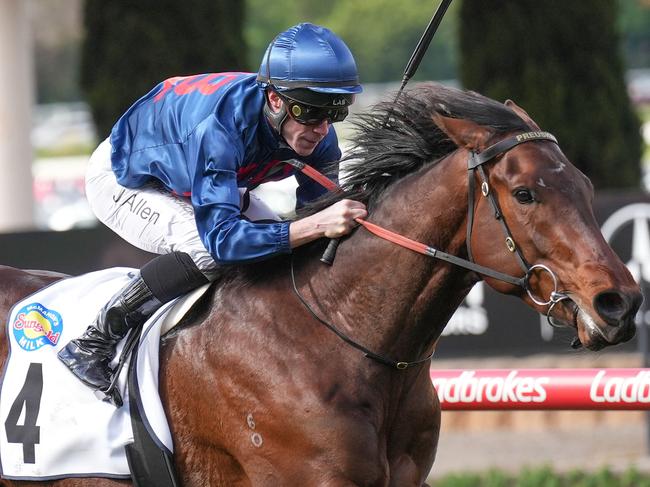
620	389
467	388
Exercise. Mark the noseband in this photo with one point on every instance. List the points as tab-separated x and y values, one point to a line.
474	165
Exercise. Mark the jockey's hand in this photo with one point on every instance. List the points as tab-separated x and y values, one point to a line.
332	222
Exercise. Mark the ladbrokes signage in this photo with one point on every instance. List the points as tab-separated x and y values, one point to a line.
491	324
524	389
496	388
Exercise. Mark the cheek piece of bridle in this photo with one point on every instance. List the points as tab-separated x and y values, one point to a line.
474	165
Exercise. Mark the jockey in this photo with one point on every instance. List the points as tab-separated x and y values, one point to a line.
174	177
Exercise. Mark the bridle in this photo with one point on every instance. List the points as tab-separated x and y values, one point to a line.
474	165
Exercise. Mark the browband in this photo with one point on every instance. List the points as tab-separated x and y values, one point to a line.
476	159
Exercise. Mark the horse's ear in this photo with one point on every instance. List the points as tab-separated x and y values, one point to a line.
522	114
464	133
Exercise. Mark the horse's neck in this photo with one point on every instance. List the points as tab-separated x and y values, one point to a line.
391	298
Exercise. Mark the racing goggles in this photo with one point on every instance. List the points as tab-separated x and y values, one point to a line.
306	114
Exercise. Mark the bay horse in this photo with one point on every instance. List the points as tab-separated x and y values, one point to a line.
266	384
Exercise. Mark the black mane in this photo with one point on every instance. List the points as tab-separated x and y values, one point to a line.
394	139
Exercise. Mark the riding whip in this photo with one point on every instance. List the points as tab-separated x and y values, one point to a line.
409	71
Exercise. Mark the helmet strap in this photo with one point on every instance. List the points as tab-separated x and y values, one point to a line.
276	119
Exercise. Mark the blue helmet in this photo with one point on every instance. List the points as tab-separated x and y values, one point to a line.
312	57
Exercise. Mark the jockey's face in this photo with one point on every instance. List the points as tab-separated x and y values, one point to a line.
303	139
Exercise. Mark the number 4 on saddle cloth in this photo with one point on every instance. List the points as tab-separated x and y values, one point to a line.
55	427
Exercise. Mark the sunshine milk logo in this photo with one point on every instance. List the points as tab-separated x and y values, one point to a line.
36	326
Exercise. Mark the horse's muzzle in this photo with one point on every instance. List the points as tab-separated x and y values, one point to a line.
617	308
596	336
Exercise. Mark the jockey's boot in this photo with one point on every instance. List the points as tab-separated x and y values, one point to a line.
88	357
162	279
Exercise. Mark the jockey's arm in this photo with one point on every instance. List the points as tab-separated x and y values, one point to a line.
216	201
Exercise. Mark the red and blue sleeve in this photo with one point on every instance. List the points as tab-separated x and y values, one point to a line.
215	197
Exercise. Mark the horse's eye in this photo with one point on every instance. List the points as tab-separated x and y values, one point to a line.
524	196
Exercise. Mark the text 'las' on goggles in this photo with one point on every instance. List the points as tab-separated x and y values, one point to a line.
312	114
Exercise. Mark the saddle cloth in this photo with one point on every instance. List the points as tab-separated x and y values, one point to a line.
54	425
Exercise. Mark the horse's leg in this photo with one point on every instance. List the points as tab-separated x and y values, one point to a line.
414	436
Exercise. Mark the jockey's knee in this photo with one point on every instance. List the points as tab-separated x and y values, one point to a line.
172	275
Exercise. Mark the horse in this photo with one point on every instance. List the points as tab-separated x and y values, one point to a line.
291	372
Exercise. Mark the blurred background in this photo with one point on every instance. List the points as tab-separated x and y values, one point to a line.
70	68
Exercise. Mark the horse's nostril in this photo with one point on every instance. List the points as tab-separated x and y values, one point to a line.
612	306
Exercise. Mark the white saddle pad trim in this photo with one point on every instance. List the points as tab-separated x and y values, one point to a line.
65	448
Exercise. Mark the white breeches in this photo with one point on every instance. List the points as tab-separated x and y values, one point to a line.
151	217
